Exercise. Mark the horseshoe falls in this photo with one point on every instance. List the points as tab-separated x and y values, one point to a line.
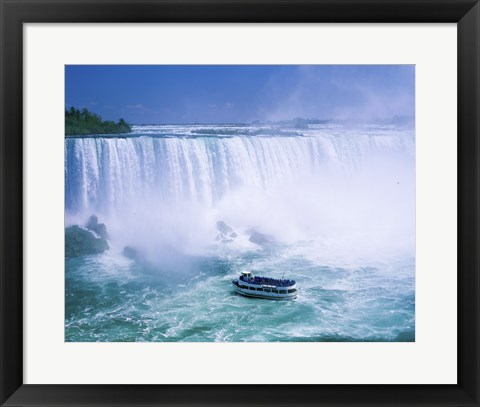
188	207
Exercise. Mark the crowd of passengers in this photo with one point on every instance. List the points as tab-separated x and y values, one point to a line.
269	281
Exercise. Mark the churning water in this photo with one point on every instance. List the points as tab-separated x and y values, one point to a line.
335	203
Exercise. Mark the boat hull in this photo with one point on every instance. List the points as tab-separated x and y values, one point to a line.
256	293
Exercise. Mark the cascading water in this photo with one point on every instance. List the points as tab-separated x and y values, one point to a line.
336	200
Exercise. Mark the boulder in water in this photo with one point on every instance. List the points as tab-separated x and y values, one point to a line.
260	238
130	252
99	228
79	242
226	234
222	227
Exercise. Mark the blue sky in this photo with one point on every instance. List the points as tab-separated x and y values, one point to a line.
241	93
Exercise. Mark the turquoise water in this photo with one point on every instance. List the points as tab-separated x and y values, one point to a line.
341	224
119	300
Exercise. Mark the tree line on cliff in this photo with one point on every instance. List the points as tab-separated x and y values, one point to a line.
84	122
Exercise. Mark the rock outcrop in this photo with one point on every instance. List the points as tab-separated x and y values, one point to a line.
130	252
226	234
99	228
80	242
260	238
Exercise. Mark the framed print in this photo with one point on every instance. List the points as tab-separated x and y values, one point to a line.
239	203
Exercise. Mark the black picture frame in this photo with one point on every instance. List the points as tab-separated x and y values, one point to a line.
14	13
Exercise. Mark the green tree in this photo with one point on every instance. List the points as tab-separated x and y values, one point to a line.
85	122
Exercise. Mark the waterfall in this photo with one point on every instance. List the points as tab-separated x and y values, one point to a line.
146	175
107	173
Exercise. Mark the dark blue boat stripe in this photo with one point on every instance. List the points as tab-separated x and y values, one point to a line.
265	297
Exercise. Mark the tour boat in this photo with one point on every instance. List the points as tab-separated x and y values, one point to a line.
264	287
